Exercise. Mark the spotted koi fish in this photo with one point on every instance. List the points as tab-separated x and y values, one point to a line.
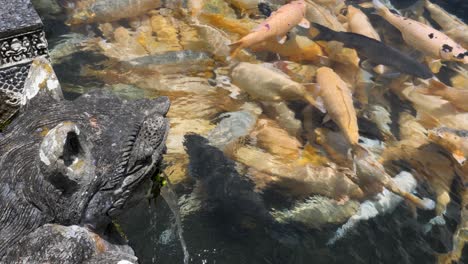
275	26
423	37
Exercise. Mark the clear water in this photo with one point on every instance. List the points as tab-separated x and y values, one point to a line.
236	231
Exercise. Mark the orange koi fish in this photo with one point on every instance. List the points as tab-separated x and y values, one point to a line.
423	37
275	26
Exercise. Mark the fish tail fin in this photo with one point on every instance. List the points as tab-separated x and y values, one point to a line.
380	7
425	203
235	48
427	120
436	85
359	151
325	33
433	87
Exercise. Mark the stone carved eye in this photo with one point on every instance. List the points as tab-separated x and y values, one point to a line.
71	149
66	158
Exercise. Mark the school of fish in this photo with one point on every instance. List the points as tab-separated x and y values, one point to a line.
319	100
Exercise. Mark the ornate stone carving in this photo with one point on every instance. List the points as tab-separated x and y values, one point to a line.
11	89
22	39
22	47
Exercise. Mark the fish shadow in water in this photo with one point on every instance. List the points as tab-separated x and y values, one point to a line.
226	191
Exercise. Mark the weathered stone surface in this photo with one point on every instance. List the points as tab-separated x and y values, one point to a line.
75	163
53	243
18	16
22	47
11	89
21	40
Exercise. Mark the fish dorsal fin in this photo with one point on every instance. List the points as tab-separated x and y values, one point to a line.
314	97
304	23
341	85
427	120
282	40
459	157
326	119
320	104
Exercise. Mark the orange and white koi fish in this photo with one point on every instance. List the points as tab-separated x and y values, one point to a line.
423	37
457	97
275	26
338	101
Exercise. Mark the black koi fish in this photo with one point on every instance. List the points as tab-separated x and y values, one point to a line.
375	51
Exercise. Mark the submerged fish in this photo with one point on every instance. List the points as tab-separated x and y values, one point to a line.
338	101
455	141
317	211
423	37
457	97
68	45
385	202
232	127
359	23
267	84
452	25
90	11
275	26
370	171
375	51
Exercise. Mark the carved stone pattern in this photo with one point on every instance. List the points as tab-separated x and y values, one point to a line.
11	89
22	47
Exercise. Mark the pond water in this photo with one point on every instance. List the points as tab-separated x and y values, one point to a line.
270	180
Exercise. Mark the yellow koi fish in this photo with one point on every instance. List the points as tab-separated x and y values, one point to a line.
359	23
276	26
338	101
457	97
453	140
423	37
90	11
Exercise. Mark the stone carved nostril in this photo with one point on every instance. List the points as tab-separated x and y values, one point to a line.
72	149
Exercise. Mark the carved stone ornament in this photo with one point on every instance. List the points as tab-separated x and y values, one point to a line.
22	39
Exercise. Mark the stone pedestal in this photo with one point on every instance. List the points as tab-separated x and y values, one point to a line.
22	39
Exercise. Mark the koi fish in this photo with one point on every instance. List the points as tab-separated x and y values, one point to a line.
375	51
90	11
338	101
245	6
452	25
453	140
461	234
275	26
369	170
457	97
384	203
359	23
423	37
268	84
